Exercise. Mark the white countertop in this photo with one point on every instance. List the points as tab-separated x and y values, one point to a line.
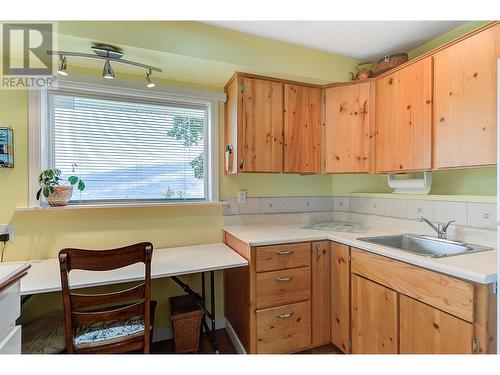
44	275
477	267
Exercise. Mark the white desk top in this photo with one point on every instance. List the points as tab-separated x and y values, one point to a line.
10	272
44	276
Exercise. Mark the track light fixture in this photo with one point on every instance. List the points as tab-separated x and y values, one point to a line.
108	54
62	66
150	84
108	72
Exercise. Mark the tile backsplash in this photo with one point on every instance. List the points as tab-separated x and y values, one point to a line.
480	215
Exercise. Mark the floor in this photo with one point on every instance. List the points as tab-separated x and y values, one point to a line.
226	346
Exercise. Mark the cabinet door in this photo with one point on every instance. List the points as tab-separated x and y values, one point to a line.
341	296
320	293
262	126
374	318
465	90
302	130
349	116
404	115
426	330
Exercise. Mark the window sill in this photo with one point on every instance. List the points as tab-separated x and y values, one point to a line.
119	205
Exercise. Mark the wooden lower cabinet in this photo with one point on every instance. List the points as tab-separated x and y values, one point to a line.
281	302
284	329
297	296
374	318
341	296
320	293
424	311
424	329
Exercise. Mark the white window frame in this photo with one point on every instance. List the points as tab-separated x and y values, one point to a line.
39	136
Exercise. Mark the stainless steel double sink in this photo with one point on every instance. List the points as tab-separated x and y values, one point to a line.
425	245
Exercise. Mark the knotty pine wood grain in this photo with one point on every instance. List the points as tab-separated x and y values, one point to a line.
320	293
261	126
375	312
404	119
446	293
349	115
341	296
427	330
302	129
465	91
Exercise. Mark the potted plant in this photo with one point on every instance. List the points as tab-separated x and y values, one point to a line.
56	191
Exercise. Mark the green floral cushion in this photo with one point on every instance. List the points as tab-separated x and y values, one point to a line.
45	335
108	331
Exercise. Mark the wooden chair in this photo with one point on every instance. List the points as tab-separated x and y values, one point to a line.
114	322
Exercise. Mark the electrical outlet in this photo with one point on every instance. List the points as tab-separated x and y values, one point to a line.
481	215
242	196
7	228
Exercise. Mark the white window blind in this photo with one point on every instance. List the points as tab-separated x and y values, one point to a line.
128	150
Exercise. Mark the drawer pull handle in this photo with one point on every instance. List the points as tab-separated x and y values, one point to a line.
284	315
285	252
284	278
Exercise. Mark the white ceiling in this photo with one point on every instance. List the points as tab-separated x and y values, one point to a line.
359	39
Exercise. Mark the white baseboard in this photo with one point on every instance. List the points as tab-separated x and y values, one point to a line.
167	334
234	338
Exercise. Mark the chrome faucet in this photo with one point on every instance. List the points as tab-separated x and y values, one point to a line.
440	229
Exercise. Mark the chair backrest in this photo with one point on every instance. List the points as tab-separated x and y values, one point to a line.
86	309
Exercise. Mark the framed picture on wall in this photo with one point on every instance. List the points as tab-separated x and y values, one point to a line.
6	148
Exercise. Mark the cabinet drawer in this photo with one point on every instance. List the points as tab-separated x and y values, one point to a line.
11	343
284	329
281	287
10	307
278	257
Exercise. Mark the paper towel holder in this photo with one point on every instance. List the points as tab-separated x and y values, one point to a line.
410	185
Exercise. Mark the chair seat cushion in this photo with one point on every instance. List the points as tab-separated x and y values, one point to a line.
103	333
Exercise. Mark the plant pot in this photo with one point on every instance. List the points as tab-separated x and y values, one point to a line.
60	196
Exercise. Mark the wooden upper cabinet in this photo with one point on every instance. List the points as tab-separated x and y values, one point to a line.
254	125
232	112
465	91
349	116
404	118
302	129
426	330
262	126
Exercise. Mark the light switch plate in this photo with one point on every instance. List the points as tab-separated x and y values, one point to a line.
242	196
7	228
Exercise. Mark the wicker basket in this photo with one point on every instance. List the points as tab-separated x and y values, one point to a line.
390	61
186	321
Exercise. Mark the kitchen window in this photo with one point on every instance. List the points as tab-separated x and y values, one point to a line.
130	149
